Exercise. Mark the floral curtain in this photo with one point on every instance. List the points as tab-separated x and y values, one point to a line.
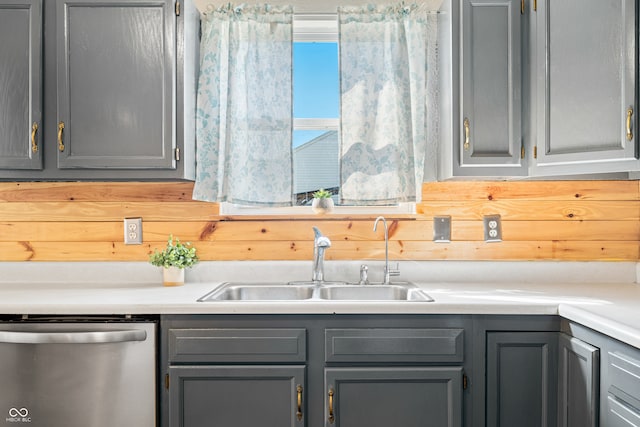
244	105
388	92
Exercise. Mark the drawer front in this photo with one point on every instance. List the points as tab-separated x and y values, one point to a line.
619	415
237	345
394	345
624	372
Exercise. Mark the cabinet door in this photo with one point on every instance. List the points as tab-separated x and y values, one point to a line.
382	397
116	79
586	70
20	84
238	396
521	379
579	382
491	88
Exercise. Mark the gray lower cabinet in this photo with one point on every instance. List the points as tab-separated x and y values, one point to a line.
119	89
578	383
380	397
246	396
315	371
617	395
622	408
21	84
490	125
585	86
521	369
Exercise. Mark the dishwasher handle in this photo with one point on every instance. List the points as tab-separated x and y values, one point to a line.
80	337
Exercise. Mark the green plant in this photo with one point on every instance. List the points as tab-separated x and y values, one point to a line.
322	194
176	254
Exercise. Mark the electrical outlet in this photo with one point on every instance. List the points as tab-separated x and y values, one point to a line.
442	229
492	228
133	231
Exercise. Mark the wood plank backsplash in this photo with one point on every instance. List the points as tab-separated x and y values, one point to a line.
543	220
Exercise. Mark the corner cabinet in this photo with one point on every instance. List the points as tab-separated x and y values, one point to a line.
21	84
585	76
119	90
578	383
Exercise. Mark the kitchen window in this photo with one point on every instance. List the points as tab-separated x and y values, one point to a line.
316	122
369	155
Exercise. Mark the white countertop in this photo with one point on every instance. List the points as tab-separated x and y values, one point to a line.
601	296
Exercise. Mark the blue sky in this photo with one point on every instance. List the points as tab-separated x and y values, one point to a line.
315	84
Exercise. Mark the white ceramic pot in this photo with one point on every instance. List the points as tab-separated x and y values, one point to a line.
173	276
322	206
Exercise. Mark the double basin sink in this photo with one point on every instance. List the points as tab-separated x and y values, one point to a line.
316	291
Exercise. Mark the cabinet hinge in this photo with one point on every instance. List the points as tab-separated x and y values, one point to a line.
535	152
177	8
166	381
522	151
177	154
465	382
535	5
521	7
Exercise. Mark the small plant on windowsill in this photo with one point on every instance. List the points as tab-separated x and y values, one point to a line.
173	259
322	202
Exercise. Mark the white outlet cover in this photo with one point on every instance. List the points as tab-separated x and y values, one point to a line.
133	231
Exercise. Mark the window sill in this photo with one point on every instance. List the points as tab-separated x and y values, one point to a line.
235	212
317	217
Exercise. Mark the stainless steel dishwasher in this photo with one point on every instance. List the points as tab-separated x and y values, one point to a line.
62	372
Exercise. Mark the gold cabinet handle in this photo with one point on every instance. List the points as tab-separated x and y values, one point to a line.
332	418
299	413
467	132
34	143
60	143
629	130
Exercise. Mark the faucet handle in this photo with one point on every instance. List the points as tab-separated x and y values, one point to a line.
364	275
395	271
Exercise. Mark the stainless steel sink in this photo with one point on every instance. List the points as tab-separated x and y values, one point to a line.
307	291
399	292
259	292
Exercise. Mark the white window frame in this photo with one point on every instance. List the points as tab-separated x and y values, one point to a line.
315	28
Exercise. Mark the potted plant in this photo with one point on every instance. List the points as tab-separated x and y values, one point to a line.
175	257
322	202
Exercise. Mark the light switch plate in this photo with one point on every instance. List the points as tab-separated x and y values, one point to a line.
133	231
442	229
492	228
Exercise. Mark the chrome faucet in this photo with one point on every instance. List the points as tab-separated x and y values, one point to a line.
387	271
320	243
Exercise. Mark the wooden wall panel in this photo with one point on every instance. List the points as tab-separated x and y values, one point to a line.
546	220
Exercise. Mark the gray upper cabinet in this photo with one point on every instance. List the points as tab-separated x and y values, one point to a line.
119	90
585	86
490	125
20	84
116	73
546	88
